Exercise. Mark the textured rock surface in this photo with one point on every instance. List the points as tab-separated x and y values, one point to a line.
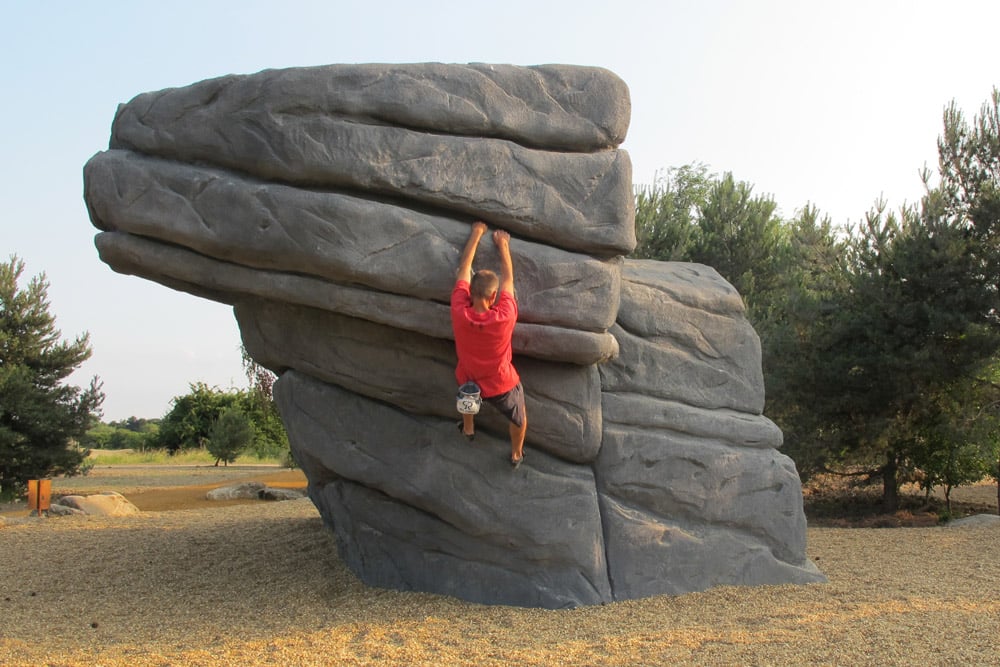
227	282
252	491
108	503
244	491
441	500
417	373
975	520
335	237
684	337
329	205
55	509
550	106
248	124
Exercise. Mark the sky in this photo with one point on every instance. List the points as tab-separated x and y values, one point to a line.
837	104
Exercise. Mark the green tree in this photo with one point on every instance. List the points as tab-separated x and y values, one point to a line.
98	436
131	433
123	438
885	343
40	415
693	216
977	405
953	445
969	195
231	434
270	437
870	333
796	311
189	422
666	213
741	237
137	424
969	190
919	316
783	270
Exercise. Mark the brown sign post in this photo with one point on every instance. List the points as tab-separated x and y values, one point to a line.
39	495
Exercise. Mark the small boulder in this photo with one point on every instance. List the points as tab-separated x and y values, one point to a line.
254	491
244	491
271	493
56	509
976	520
108	503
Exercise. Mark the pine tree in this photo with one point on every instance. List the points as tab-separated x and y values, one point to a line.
918	320
230	435
40	415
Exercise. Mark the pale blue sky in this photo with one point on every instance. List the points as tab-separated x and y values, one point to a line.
829	103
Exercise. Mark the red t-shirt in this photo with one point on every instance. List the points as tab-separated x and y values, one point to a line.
482	341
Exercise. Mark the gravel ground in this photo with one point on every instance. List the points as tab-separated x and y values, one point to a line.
260	584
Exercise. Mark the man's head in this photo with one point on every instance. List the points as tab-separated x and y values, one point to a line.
484	285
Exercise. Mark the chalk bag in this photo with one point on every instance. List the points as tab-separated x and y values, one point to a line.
469	399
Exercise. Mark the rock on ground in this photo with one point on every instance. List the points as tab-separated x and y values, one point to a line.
253	491
108	503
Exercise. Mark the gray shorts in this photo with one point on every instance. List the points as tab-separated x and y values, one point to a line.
511	404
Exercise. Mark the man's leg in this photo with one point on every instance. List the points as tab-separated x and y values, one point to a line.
468	425
511	405
517	434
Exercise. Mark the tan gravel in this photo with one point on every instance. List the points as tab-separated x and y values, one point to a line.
260	584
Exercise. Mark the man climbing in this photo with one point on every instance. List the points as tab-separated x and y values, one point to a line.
483	315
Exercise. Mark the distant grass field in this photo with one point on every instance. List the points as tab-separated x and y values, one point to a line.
116	457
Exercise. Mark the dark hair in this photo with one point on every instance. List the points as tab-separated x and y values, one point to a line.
484	284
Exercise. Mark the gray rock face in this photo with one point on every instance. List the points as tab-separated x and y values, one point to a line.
684	336
557	107
417	374
247	124
329	205
650	554
335	237
438	499
223	281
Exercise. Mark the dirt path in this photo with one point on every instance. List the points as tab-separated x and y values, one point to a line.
262	585
161	488
196	582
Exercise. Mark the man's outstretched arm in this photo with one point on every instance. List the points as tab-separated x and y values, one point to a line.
464	271
501	240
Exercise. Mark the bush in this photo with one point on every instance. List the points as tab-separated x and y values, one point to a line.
230	435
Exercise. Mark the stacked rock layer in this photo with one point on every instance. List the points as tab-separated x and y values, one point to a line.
329	206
